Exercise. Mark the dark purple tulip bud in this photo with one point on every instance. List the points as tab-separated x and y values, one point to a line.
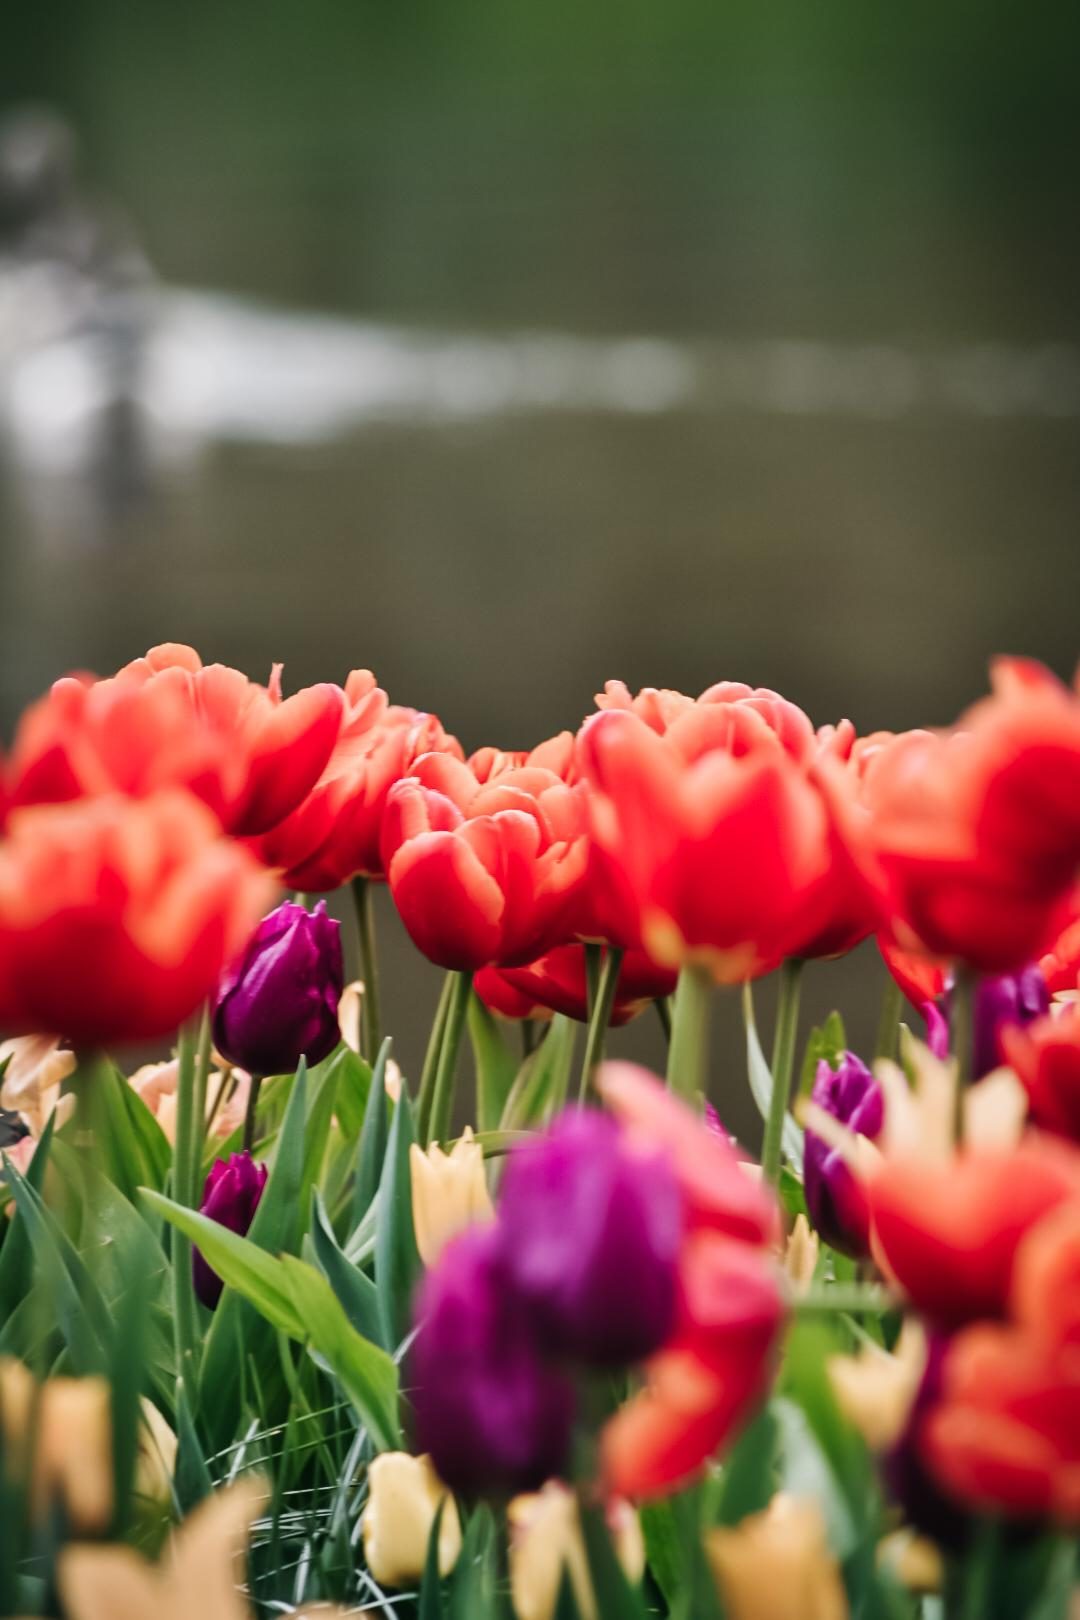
834	1197
937	1029
279	1002
493	1416
591	1232
230	1197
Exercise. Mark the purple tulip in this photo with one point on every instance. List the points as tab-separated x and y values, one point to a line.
833	1195
494	1417
230	1197
1001	1001
279	1002
591	1232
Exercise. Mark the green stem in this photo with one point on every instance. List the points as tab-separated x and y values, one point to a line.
663	1012
783	1064
426	1092
851	1299
688	1052
594	956
250	1112
962	1019
185	1317
600	1018
371	1019
892	1007
442	1104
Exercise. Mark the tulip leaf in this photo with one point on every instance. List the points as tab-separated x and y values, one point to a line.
16	1256
495	1066
354	1288
274	1229
540	1088
430	1605
373	1139
663	1547
748	1482
298	1301
75	1300
827	1043
191	1479
352	1081
397	1259
472	1587
616	1599
761	1085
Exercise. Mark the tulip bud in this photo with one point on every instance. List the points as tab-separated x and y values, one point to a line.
279	1002
591	1230
449	1193
230	1197
492	1415
546	1539
777	1565
155	1463
875	1390
403	1498
801	1255
1005	1001
834	1197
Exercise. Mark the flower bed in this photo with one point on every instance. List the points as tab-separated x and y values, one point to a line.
528	1333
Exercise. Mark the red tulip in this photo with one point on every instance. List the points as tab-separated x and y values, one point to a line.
977	833
1061	964
557	982
484	872
949	1232
336	833
921	978
118	915
713	1368
556	754
660	709
167	721
1005	1433
721	839
1046	1056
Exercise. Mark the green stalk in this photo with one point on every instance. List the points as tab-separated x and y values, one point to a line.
600	1018
426	1092
371	1020
185	1316
594	955
849	1298
250	1113
783	1064
892	1007
688	1052
962	1019
442	1104
663	1012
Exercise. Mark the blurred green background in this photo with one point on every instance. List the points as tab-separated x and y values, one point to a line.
850	467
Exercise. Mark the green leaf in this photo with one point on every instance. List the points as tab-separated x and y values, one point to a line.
495	1065
352	1081
761	1084
430	1605
354	1288
274	1228
805	1471
15	1256
749	1478
472	1586
191	1480
397	1259
372	1139
616	1599
828	1043
294	1298
541	1085
663	1546
75	1299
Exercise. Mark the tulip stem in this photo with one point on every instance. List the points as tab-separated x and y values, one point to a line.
594	955
892	1007
185	1318
248	1140
663	1012
783	1064
426	1091
688	1053
600	1018
442	1102
962	1019
371	1020
528	1037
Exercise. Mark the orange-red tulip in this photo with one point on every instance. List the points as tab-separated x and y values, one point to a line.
949	1231
484	873
976	833
557	982
167	720
706	1378
336	833
1046	1056
118	915
1061	964
1005	1433
720	837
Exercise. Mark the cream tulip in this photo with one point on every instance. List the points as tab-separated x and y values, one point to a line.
404	1494
449	1193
